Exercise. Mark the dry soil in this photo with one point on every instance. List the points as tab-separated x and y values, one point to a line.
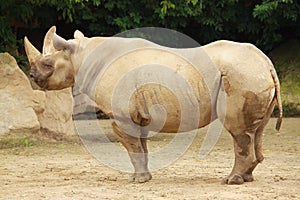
65	170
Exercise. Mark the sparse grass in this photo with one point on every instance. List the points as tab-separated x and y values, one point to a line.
17	140
27	140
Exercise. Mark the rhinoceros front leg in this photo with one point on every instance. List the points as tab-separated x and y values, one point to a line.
138	153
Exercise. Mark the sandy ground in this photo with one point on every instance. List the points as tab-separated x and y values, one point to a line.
65	170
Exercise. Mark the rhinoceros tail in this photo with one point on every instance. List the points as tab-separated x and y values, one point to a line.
278	98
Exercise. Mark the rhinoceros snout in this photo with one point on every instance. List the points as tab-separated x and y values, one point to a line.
35	77
32	76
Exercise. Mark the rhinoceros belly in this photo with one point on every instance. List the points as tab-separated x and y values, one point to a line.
155	88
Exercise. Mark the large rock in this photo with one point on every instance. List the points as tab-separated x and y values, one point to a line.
26	110
19	103
57	116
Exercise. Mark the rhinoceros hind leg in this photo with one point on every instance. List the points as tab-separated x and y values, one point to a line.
245	159
238	179
138	153
259	133
233	180
248	177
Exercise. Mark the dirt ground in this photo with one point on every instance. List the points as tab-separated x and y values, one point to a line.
48	169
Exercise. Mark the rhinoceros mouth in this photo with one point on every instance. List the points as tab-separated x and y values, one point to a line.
41	83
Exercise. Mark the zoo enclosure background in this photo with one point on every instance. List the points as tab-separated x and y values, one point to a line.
265	23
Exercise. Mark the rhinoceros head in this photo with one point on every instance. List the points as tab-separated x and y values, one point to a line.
52	69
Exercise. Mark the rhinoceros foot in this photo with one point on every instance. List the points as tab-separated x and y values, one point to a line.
248	177
141	177
233	180
238	179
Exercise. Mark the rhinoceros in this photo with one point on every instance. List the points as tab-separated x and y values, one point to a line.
244	74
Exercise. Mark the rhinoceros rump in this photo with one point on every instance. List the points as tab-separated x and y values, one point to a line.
100	65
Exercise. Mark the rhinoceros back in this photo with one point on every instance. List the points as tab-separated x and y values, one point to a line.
151	84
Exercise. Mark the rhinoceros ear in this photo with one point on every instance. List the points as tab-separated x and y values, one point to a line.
31	51
48	47
60	43
78	34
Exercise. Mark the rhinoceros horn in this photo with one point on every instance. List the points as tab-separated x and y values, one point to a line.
60	43
78	34
48	47
31	51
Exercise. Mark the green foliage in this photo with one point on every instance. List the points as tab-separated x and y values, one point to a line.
276	16
265	23
287	63
165	5
27	143
18	14
7	38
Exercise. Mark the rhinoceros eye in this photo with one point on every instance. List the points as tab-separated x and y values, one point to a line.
48	61
48	67
47	64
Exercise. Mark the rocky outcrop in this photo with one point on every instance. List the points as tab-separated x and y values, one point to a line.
57	115
19	104
26	110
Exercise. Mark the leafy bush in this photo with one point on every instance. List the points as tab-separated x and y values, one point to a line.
265	23
30	14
